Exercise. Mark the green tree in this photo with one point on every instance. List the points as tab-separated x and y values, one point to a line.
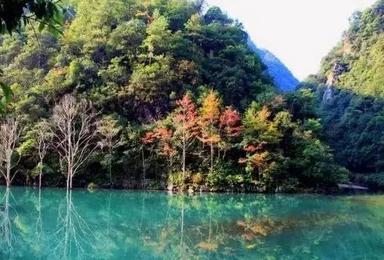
158	36
16	14
109	131
261	136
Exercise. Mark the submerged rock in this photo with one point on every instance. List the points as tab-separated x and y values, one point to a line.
260	228
207	245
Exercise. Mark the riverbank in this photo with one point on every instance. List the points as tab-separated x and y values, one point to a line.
151	186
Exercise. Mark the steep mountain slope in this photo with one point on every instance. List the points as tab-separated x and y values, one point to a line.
351	94
281	75
357	63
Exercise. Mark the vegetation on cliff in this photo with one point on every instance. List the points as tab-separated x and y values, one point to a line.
350	96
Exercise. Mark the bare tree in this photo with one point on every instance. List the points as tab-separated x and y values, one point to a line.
74	122
43	138
9	137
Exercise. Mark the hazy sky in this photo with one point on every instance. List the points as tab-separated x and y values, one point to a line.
299	32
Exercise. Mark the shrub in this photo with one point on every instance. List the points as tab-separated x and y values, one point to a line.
197	179
176	179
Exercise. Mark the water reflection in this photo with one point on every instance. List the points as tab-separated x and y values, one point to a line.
73	237
54	224
6	229
39	231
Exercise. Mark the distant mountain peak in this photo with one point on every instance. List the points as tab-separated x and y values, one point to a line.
281	75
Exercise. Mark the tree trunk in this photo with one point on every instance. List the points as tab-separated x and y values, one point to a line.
69	177
212	152
143	161
69	155
183	159
8	165
40	172
110	167
40	180
68	180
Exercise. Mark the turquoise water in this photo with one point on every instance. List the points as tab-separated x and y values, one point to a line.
53	224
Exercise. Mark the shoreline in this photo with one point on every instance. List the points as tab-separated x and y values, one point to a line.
218	192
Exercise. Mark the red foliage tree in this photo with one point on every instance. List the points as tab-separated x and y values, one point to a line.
185	120
230	122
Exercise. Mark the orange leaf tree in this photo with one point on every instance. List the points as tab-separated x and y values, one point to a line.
209	122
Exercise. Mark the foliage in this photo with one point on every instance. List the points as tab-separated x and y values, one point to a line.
353	126
14	14
182	98
374	181
265	150
350	103
5	96
357	62
109	130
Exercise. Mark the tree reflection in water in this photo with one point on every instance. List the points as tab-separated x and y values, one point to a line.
54	224
73	238
220	226
39	231
6	229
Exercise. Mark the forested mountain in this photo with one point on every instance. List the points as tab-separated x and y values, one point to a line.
281	75
351	93
154	93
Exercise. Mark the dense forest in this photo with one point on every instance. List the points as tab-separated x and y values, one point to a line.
157	94
349	90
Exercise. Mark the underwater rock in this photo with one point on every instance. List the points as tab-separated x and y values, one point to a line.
259	228
208	246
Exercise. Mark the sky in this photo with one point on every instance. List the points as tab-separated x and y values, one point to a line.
299	32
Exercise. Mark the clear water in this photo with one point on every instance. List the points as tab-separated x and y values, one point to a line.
154	225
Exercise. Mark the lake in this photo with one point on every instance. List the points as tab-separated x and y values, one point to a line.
54	224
